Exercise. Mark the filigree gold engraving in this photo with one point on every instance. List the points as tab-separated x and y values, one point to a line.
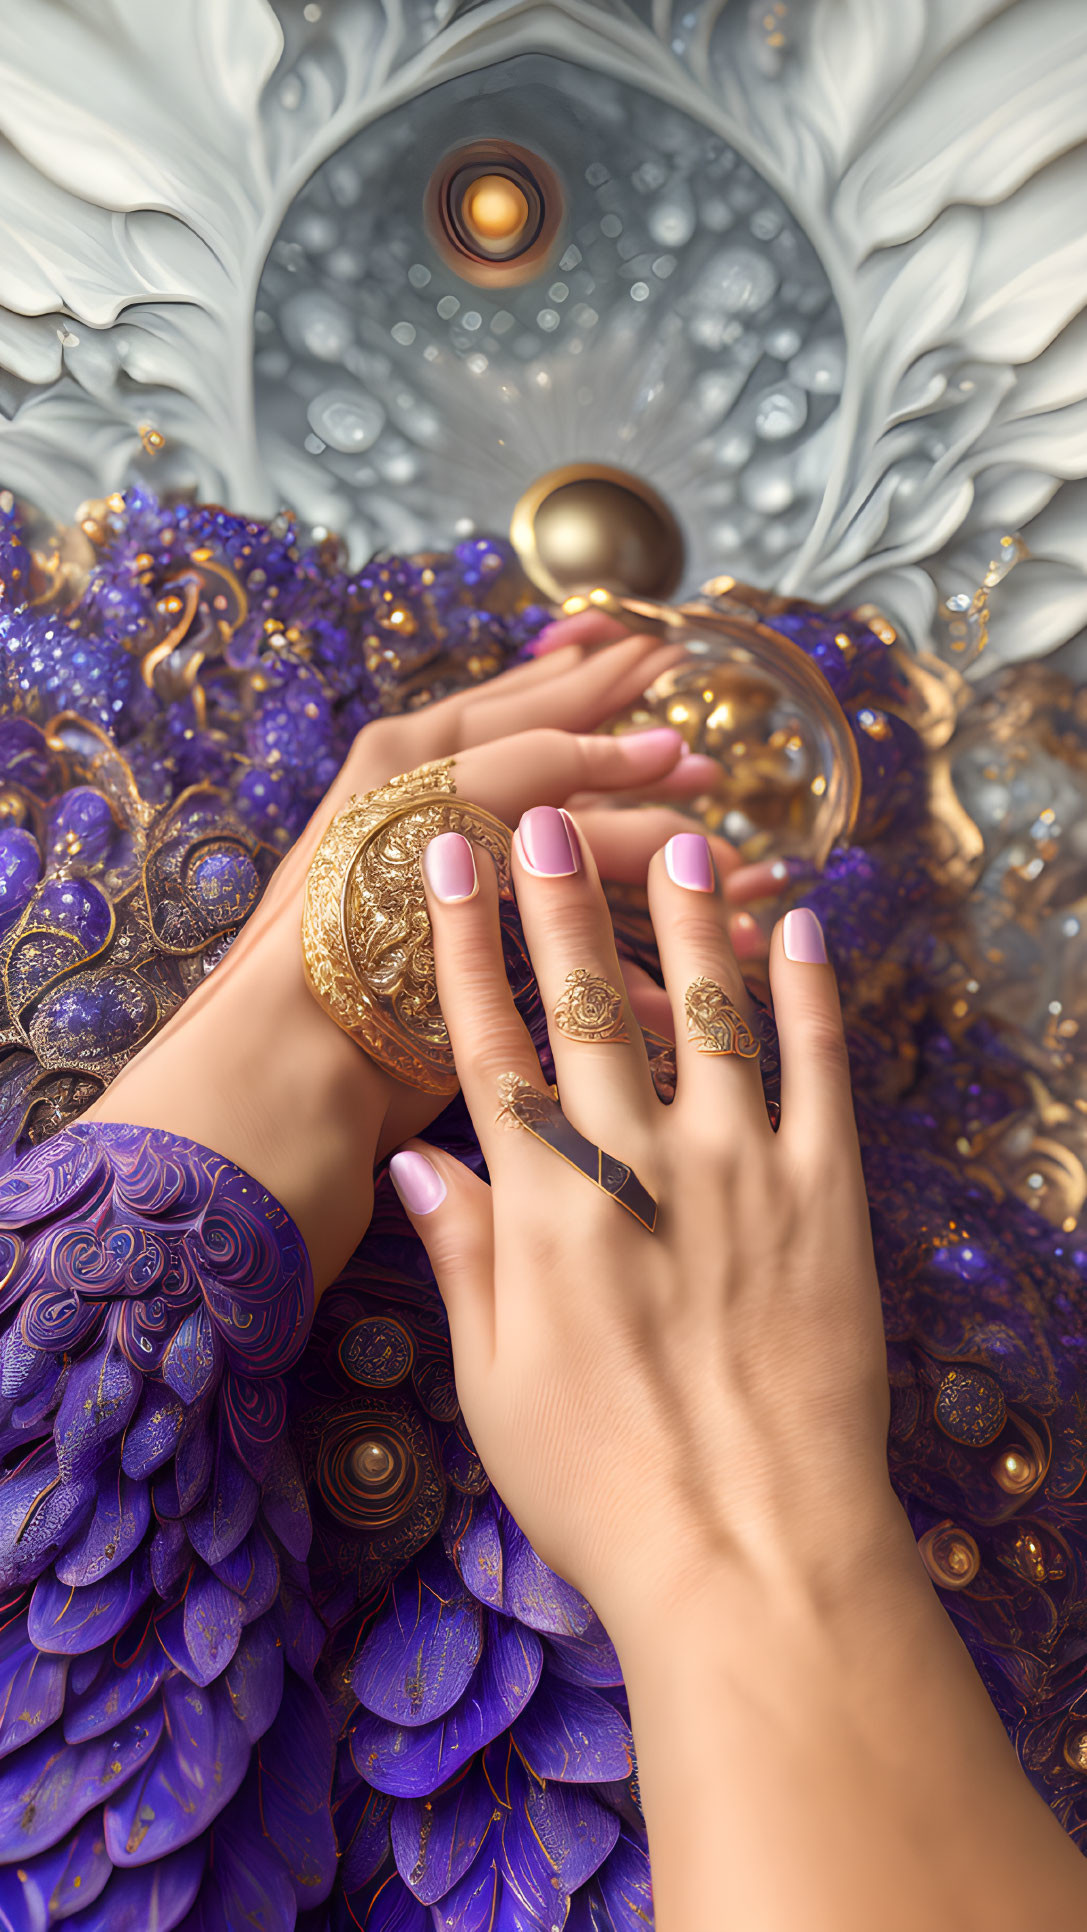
366	938
589	1008
715	1024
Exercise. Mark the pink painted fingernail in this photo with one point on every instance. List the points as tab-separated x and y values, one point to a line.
689	862
548	843
416	1180
450	867
802	937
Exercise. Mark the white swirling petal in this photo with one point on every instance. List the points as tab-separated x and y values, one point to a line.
934	151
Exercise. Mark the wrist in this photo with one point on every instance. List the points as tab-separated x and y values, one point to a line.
853	1729
824	1577
251	1068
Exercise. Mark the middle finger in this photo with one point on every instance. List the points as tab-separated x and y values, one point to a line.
600	1059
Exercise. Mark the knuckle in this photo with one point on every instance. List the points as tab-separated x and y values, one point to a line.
698	928
822	1043
564	922
382	746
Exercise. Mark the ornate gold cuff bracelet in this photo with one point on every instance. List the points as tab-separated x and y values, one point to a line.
366	941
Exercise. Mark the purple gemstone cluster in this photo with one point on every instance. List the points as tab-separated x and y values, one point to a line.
273	1650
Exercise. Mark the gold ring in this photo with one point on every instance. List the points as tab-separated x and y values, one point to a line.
591	1009
523	1105
715	1024
366	940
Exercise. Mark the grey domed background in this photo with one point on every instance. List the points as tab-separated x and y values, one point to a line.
822	276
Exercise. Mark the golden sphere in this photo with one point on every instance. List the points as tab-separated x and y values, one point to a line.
591	525
1075	1748
1015	1472
371	1462
494	211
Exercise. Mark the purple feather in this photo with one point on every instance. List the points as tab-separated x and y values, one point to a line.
72	1620
572	1733
29	1413
229	1508
164	1496
301	1628
413	1762
255	1411
590	1659
247	1882
99	1399
194	1460
200	1634
153	1434
193	1361
386	1905
284	1501
587	1913
113	1533
56	1318
474	1902
171	1556
23	1368
254	1678
38	1513
362	1832
473	1542
423	1648
117	1688
22	1902
72	1874
252	1572
50	1784
67	1170
625	1885
534	1594
295	1760
554	1837
149	1898
198	1765
435	1843
32	1688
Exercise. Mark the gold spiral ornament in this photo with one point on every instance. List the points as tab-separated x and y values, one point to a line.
950	1555
494	211
376	1472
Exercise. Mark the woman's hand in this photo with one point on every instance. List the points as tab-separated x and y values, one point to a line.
253	1068
649	1405
690	1424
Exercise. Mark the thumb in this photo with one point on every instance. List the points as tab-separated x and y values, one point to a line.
450	1209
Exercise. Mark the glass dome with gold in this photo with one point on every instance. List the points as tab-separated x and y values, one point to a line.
592	537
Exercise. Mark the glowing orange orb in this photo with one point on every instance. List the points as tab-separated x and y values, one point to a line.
495	211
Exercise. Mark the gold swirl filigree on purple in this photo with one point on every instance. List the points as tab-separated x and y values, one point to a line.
219	1236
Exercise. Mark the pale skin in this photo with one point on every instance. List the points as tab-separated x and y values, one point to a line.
815	1749
691	1427
252	1067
